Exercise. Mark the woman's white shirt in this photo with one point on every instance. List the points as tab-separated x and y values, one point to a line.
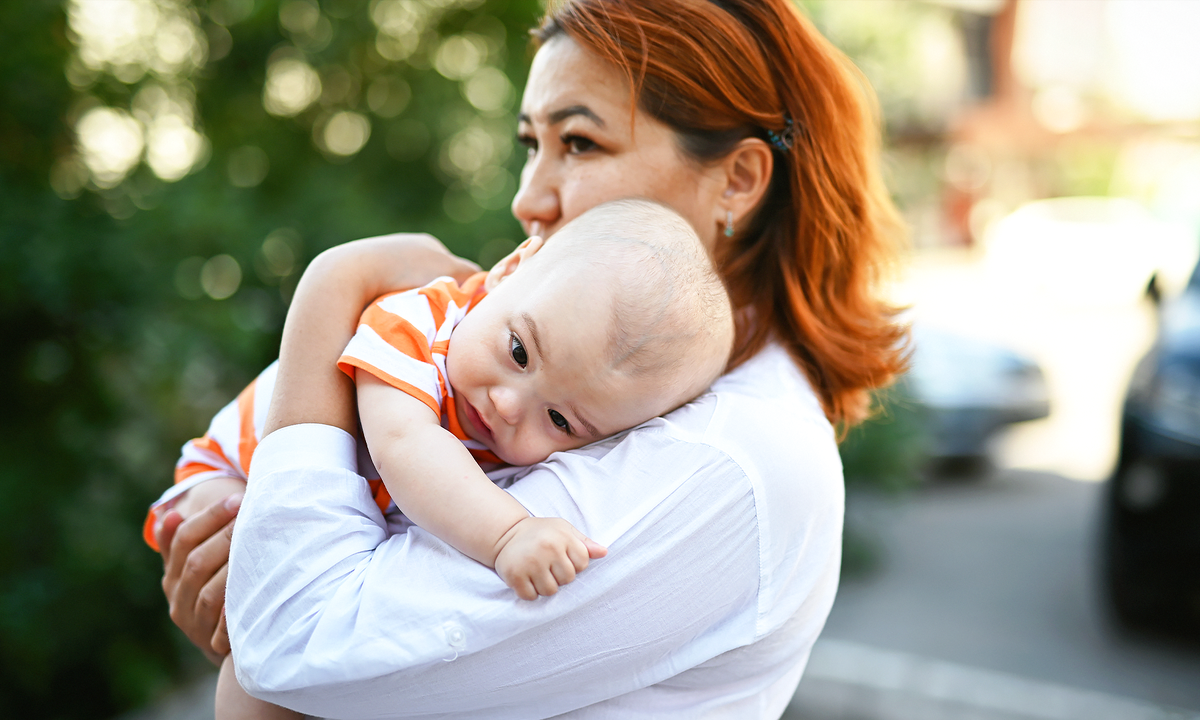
723	522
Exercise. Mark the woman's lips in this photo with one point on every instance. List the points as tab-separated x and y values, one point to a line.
476	421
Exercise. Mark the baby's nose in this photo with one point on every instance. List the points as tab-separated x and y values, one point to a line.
507	404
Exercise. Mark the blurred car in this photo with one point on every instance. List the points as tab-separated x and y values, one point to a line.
1088	251
969	389
1152	529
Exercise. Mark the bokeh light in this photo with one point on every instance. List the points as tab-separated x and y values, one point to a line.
344	134
388	95
247	166
292	85
489	90
110	142
220	276
129	38
460	55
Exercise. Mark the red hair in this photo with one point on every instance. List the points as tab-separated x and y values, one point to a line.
810	261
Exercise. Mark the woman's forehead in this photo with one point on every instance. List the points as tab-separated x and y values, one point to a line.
564	76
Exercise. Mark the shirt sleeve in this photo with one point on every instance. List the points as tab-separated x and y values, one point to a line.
330	616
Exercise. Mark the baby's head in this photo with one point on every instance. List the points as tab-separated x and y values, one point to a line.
618	318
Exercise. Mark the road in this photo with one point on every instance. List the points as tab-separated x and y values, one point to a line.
995	578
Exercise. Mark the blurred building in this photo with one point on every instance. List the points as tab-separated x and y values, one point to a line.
1071	97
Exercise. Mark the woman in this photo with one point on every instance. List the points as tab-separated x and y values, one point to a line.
723	519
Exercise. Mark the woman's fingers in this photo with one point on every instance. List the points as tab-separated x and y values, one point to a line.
220	638
164	534
194	571
195	531
209	607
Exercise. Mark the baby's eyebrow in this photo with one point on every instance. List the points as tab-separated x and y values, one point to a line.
533	334
578	416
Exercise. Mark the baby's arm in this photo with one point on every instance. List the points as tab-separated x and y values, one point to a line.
439	486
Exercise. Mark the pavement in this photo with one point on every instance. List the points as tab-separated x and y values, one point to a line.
986	603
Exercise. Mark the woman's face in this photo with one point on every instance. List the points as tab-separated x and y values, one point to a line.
583	148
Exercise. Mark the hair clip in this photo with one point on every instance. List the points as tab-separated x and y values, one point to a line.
785	138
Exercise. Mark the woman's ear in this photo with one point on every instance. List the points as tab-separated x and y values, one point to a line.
509	264
746	175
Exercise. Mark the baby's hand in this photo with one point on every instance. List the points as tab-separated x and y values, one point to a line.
539	555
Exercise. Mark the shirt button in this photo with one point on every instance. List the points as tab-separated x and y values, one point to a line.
456	637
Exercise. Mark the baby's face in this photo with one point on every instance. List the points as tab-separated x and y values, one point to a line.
531	369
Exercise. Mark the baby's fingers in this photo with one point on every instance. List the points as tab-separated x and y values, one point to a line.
544	582
563	567
595	549
524	587
584	549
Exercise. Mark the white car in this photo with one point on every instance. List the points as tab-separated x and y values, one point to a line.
1088	251
969	389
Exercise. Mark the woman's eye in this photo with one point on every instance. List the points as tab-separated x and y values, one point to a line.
529	142
517	350
577	144
560	422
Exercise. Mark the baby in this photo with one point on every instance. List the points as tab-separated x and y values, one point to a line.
616	320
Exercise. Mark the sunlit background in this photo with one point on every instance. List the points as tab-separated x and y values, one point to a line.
169	167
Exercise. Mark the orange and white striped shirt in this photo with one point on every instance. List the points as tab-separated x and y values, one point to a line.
402	339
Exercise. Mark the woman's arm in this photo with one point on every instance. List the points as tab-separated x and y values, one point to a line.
195	542
331	616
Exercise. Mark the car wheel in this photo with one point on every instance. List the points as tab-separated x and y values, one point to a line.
1143	586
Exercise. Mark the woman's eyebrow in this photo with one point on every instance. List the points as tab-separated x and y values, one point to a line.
559	115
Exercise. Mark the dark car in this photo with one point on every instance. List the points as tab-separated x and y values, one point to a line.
1152	507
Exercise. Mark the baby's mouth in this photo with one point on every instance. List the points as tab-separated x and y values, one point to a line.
478	422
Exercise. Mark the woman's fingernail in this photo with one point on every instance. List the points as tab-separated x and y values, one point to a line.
233	502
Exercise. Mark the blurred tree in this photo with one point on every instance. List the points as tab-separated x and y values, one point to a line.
168	168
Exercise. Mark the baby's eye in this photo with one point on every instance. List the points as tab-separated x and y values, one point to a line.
517	350
560	422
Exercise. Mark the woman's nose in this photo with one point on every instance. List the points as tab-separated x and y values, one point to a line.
536	202
507	402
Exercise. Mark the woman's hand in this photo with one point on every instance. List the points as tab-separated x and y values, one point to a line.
338	284
195	550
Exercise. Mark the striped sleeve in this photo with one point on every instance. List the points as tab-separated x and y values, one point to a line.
402	338
224	450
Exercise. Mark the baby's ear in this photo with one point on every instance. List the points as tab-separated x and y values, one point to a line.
512	261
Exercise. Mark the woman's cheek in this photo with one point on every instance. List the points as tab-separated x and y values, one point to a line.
590	187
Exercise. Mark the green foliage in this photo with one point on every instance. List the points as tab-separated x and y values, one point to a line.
908	51
886	451
883	455
114	355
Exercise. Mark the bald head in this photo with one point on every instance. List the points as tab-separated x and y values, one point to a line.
671	317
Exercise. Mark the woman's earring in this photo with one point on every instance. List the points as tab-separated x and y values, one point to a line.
728	223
